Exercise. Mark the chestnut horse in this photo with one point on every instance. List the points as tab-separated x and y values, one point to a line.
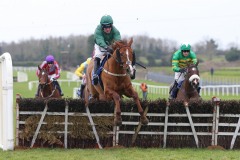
47	88
116	80
190	86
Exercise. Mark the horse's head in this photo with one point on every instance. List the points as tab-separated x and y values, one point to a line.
192	74
124	55
43	77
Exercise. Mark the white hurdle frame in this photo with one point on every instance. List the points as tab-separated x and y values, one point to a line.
6	102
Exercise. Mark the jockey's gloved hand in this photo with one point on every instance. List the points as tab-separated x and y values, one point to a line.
109	49
52	79
182	70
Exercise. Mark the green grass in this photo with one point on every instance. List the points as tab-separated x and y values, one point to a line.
120	154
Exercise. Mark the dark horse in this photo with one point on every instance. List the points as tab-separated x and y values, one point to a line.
190	86
47	88
116	80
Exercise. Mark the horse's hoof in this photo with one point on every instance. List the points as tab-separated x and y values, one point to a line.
117	121
144	121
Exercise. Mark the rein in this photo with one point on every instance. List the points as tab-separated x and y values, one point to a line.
118	60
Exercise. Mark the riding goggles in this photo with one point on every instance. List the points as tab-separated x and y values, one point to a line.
50	62
185	51
106	25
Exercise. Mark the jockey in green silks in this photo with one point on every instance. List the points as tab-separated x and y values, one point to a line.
104	36
180	59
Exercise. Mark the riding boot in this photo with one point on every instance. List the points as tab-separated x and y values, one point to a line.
81	90
174	90
38	90
198	90
56	84
96	66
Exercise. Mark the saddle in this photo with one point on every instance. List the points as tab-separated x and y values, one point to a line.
100	69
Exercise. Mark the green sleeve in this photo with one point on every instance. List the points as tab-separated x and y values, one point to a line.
99	37
116	34
193	56
175	61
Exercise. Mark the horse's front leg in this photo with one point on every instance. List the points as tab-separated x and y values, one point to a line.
115	96
144	120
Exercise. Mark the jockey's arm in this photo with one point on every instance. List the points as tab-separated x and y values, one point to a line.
43	65
56	75
194	57
99	38
175	61
79	71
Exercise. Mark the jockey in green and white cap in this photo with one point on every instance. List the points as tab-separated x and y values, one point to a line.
180	59
104	36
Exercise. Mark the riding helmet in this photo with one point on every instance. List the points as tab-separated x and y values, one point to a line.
185	46
106	21
50	58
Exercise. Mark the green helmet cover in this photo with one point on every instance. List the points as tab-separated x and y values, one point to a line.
106	20
185	47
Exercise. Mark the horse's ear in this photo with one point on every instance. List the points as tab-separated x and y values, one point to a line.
39	68
114	45
130	42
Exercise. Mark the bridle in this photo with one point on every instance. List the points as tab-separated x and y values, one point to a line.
44	74
118	56
45	80
193	78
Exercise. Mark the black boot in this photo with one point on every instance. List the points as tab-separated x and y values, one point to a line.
198	90
38	90
96	66
174	90
56	84
81	90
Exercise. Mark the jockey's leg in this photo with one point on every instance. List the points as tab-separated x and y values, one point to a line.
38	90
198	90
174	90
96	66
81	90
56	84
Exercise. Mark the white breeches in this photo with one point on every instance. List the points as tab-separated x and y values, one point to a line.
177	78
99	51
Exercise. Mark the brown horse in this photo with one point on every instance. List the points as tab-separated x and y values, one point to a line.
190	86
116	80
47	88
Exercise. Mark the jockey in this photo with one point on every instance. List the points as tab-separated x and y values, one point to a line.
104	36
80	72
180	59
53	70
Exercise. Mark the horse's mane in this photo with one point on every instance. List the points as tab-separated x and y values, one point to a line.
119	43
